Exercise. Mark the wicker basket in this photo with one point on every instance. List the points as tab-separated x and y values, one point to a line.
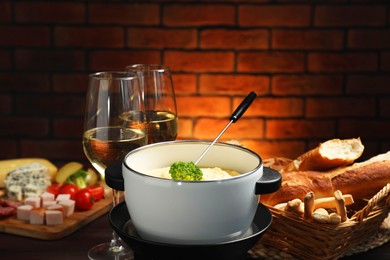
307	239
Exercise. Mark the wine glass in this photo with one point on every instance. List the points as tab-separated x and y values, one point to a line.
114	124
159	99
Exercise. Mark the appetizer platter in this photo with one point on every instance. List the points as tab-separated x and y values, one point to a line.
39	200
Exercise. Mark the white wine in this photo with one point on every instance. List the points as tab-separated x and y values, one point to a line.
106	145
161	126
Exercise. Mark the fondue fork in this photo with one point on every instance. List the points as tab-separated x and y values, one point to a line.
240	110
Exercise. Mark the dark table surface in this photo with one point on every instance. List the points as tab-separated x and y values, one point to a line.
76	245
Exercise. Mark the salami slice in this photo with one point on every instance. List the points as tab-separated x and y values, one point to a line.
7	211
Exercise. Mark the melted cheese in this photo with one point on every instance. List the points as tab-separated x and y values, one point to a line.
214	173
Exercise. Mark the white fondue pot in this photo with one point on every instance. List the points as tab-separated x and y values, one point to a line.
194	212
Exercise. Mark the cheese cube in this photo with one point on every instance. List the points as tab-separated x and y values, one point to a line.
54	217
56	207
37	216
23	212
47	196
33	201
47	203
63	197
68	206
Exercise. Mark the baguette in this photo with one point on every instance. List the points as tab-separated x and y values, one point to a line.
328	155
361	180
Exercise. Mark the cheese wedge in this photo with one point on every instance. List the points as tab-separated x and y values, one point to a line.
7	166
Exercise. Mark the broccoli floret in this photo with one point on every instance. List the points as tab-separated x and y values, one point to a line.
185	171
78	178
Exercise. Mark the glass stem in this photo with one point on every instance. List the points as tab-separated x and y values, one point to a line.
116	243
116	196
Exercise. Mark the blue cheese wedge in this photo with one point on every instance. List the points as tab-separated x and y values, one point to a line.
27	181
15	192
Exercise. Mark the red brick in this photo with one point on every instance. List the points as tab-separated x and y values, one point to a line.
9	149
369	39
251	61
24	36
5	59
198	15
340	107
24	126
271	148
70	83
307	85
209	128
161	38
50	60
89	37
368	84
342	62
299	128
5	104
5	11
274	107
53	149
364	128
185	129
118	60
44	12
200	61
68	128
126	14
233	84
25	82
350	15
307	39
184	83
385	61
203	106
274	15
234	39
50	105
385	107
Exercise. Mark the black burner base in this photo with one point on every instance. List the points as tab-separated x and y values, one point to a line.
148	250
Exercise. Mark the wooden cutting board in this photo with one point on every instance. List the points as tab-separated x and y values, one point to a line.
77	220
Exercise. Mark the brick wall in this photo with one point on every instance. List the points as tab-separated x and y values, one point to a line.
320	69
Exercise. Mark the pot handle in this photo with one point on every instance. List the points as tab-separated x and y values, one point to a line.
270	181
113	176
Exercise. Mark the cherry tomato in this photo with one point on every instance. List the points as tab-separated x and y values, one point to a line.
97	192
70	189
84	200
54	188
